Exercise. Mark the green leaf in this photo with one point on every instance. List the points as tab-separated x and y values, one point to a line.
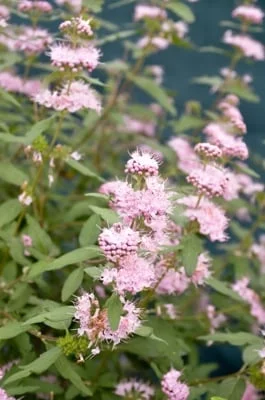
11	174
244	92
38	129
187	122
82	169
116	36
106	214
94	272
12	329
208	80
90	231
114	310
145	331
72	283
9	210
74	257
9	98
38	366
41	240
222	288
182	10
236	339
59	314
22	390
250	354
67	371
155	91
191	249
232	388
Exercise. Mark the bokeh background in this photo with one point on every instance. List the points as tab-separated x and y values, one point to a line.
181	65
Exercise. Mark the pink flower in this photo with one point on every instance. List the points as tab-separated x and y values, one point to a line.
171	281
216	319
13	83
32	40
142	163
79	96
27	240
188	160
133	275
77	25
143	11
210	217
137	126
4	12
248	186
6	367
249	47
157	42
118	241
65	57
207	150
172	387
256	308
158	73
249	13
4	395
94	321
134	389
232	113
230	145
202	271
28	6
210	180
250	393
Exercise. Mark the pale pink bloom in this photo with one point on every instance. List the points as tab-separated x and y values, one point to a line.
4	395
243	215
181	29
216	319
158	72
202	271
76	5
147	149
210	180
41	6
259	250
77	25
79	96
233	188
210	217
33	40
249	47
228	73
232	113
63	56
173	388
133	125
27	240
25	199
230	145
207	150
256	308
4	12
129	323
37	157
157	42
142	163
94	321
118	241
171	281
188	160
143	11
248	186
247	79
249	13
100	290
133	275
75	155
250	393
6	367
157	110
134	389
13	83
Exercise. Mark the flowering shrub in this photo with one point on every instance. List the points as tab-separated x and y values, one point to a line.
123	256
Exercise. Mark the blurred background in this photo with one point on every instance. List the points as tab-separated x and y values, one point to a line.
181	64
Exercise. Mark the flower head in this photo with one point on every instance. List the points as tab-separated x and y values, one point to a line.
173	388
210	180
249	13
134	388
143	11
142	163
250	48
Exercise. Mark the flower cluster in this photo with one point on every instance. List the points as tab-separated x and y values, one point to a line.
132	388
173	388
